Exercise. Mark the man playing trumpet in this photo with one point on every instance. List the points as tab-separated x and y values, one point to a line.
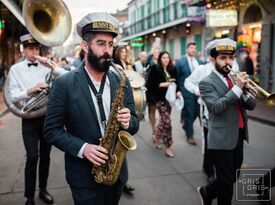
226	100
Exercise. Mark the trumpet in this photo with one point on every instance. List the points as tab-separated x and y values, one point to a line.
254	90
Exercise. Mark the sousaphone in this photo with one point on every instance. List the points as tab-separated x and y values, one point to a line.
50	23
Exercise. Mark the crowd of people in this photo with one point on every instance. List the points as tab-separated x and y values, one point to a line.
77	118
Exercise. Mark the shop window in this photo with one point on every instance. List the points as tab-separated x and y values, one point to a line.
171	48
164	45
198	42
183	45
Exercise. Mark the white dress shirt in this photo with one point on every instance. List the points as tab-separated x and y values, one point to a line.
23	77
139	67
193	63
106	100
191	83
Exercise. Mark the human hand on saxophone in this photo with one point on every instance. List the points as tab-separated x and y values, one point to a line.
95	154
39	87
123	117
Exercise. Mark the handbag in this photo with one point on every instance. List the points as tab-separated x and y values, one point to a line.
170	96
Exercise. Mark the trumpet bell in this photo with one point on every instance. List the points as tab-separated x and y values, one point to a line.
270	100
49	23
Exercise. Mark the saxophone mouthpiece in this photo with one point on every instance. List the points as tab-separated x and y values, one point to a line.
108	58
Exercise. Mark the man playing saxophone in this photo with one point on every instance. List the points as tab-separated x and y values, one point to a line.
26	79
80	110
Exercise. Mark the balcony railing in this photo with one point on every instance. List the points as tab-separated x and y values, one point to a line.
174	11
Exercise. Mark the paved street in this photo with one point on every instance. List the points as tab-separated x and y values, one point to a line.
158	180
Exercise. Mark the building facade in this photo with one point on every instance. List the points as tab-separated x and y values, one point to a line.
171	23
257	24
252	26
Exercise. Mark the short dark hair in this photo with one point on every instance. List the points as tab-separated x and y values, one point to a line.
89	36
191	44
36	45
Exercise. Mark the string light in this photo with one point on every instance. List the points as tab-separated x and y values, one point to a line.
225	4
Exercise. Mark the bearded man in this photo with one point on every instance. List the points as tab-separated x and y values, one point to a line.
78	111
226	100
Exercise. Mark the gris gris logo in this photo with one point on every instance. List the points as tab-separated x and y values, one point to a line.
253	185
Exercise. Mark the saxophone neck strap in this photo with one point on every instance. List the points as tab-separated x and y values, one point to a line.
98	95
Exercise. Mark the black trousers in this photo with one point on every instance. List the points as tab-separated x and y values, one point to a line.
36	148
103	195
226	163
208	166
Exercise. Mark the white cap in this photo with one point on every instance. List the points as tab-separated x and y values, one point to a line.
223	45
27	39
97	22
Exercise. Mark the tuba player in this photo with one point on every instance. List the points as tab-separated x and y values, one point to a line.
26	79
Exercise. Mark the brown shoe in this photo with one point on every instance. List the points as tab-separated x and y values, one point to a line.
192	141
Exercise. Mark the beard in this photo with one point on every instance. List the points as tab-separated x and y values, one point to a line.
222	69
98	63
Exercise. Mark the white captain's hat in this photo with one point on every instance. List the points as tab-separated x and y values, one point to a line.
221	46
97	22
28	40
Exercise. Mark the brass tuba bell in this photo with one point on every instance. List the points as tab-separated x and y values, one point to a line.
48	22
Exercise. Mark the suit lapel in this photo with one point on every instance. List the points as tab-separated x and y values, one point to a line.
218	82
83	84
113	85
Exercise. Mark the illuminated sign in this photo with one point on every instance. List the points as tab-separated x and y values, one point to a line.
221	18
137	42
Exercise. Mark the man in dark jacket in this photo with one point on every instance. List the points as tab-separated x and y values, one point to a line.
79	109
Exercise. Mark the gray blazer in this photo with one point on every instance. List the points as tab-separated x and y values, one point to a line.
223	114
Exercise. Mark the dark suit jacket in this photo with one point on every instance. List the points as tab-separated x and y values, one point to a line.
183	71
157	76
223	114
71	121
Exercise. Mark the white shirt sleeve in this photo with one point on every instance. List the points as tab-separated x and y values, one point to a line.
192	82
125	127
80	153
238	91
245	97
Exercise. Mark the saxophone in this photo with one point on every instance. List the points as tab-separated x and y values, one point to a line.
116	142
